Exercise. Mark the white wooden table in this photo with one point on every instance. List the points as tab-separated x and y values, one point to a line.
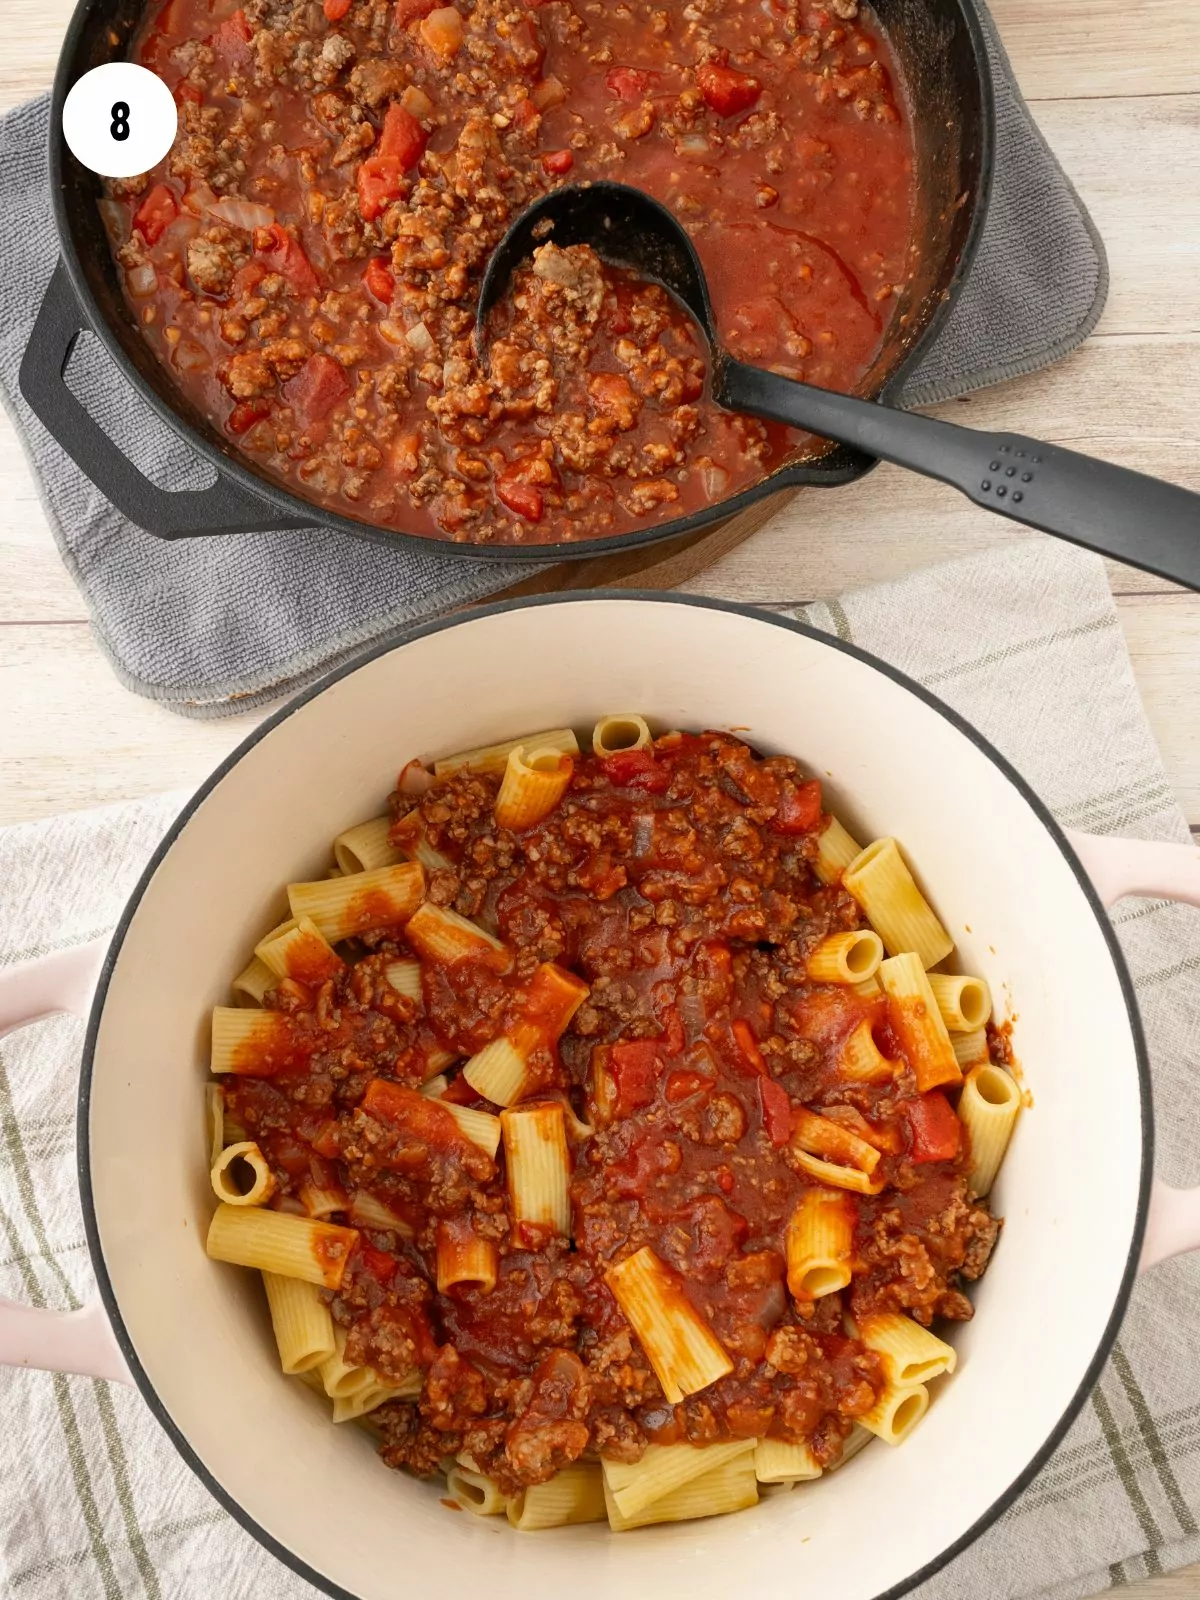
1115	87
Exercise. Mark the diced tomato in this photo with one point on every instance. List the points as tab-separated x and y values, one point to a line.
634	1066
188	92
409	10
156	213
628	83
380	181
799	808
683	1085
460	1093
556	162
231	42
776	1110
378	1263
748	1044
636	769
403	138
935	1128
726	90
521	497
246	279
245	414
725	1180
326	1140
285	255
336	10
317	388
380	279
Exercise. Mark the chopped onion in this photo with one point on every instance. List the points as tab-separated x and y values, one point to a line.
244	214
199	199
142	281
192	357
715	481
549	92
420	338
643	834
116	219
692	144
416	779
416	102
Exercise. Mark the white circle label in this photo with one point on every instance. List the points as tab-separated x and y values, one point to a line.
120	120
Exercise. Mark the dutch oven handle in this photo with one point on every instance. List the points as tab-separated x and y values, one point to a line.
56	1341
225	508
1120	867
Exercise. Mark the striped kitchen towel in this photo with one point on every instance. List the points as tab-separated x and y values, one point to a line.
1024	641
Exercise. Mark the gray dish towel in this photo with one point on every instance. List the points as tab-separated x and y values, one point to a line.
1024	641
209	627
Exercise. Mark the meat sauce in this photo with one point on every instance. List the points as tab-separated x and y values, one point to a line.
677	882
306	260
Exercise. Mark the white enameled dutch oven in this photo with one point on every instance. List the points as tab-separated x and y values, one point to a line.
1024	901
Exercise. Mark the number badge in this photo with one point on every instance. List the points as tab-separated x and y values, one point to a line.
120	120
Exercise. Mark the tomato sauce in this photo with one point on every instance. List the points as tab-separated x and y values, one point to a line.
307	258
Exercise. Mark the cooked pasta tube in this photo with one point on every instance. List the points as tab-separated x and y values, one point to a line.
366	846
846	957
463	1258
911	1354
241	1177
988	1107
341	1378
860	1059
441	935
835	1176
896	1413
275	1241
964	1002
494	757
819	1244
880	881
480	1127
538	1164
302	1323
368	1211
535	780
323	1200
299	952
681	1347
214	1109
620	731
252	983
475	1492
821	1136
970	1049
499	1071
777	1462
835	851
917	1022
575	1494
259	1043
720	1481
357	1406
857	1439
405	978
433	1120
343	907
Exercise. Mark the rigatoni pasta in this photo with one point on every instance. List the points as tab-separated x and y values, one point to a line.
559	1127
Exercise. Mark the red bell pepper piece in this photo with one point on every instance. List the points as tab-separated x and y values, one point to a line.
336	10
776	1110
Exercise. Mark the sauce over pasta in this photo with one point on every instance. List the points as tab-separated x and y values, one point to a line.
643	970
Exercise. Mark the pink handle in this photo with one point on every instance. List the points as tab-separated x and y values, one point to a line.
56	1341
1120	867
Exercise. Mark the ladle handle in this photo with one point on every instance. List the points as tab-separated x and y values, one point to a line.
1127	515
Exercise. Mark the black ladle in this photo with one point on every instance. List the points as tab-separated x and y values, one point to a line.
1135	518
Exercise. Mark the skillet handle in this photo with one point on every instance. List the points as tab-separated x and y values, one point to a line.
225	508
82	1340
1120	867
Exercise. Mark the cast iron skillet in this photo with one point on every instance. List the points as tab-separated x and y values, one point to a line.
941	50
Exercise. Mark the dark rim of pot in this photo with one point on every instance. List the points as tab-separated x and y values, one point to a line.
398	641
230	464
